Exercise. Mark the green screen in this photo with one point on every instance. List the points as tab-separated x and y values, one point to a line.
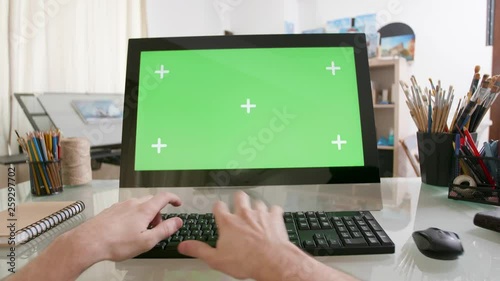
248	108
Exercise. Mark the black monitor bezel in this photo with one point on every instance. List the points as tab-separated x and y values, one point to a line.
369	173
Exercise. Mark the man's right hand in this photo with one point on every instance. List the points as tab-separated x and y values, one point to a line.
247	238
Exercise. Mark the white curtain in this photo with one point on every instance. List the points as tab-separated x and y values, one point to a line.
4	76
64	46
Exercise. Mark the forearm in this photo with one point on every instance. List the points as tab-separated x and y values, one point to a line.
64	259
292	264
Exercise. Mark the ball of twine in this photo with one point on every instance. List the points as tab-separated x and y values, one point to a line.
75	161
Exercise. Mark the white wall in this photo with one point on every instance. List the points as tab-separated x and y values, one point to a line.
258	17
201	17
170	18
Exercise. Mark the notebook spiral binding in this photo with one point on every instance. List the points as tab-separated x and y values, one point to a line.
39	243
36	229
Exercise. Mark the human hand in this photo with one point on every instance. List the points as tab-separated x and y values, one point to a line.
121	231
248	239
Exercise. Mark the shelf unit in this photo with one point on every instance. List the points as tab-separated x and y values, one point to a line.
385	74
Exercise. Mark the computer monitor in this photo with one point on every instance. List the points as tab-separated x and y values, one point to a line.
248	110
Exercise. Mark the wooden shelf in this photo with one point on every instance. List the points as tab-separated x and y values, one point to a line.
377	62
385	74
385	147
384	106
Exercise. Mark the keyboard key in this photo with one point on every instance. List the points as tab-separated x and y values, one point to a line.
202	221
185	232
367	215
322	243
190	237
176	239
321	214
290	231
309	244
292	237
383	237
369	234
342	229
201	238
361	223
212	238
288	220
349	223
196	232
357	234
353	228
323	219
345	235
161	245
206	227
193	216
303	225
334	243
318	236
339	223
355	242
336	218
287	215
358	218
373	241
302	220
365	228
374	225
315	225
311	214
300	215
325	225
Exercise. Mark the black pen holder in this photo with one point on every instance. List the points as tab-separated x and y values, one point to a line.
476	179
435	155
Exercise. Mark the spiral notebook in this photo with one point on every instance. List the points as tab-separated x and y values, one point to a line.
33	219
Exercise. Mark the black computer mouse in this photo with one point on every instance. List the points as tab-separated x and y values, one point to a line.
438	244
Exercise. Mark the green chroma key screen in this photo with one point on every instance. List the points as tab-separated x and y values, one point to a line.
248	108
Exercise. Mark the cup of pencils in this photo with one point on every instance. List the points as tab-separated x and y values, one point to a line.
42	151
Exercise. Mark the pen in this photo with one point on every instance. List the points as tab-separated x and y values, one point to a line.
470	141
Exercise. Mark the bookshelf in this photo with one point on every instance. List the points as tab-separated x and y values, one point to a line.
391	113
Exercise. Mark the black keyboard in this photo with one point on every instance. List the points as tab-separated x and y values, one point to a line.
318	233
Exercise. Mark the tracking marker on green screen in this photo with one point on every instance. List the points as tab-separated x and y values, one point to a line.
248	109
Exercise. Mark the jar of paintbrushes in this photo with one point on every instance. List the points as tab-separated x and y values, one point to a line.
440	132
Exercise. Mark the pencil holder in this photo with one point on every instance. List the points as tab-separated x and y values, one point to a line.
476	179
45	177
435	155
